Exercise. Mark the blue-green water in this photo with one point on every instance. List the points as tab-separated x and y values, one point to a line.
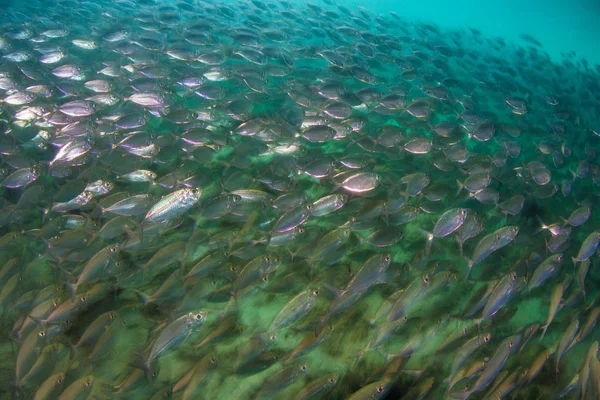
269	200
560	26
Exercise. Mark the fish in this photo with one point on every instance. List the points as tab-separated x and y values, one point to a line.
491	243
318	387
173	205
496	362
295	309
466	350
500	295
555	302
361	182
172	334
588	248
565	342
242	189
447	224
546	270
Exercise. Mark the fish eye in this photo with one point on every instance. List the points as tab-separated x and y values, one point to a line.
467	386
487	338
265	278
426	279
154	373
213	360
42	334
388	258
83	299
199	316
273	338
303	367
88	383
331	380
301	230
511	343
59	381
111	315
380	389
316	292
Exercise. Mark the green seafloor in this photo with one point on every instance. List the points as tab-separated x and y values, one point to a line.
287	200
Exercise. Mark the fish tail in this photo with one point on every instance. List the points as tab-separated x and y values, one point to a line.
141	230
470	267
429	236
337	292
460	186
321	324
544	329
144	298
141	363
543	226
460	247
72	348
72	287
38	320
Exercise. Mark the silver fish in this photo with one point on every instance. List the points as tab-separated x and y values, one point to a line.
173	205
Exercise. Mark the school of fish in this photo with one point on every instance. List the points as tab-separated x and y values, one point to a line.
265	199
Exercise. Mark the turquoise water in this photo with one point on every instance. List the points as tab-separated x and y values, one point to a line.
560	26
309	200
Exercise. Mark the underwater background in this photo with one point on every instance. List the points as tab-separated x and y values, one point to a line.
286	199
